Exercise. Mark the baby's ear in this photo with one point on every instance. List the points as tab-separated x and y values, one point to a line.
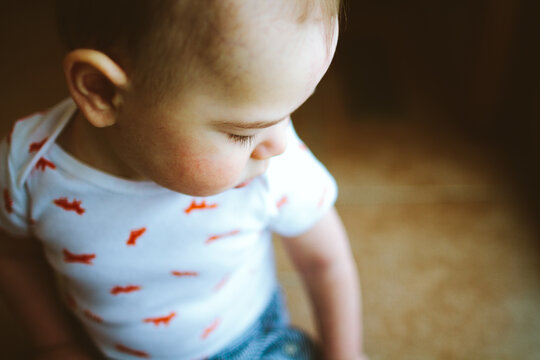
96	84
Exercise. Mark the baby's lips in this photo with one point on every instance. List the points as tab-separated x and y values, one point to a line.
243	184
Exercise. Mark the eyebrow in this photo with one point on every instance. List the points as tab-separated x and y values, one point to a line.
248	125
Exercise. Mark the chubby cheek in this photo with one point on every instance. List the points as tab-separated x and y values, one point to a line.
207	175
191	165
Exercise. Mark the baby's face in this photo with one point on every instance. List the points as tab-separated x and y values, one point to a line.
222	132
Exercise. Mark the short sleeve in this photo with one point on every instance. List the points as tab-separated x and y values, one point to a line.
302	189
14	210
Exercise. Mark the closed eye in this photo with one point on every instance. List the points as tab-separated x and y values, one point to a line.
242	140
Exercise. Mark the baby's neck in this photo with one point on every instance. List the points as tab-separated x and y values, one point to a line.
89	145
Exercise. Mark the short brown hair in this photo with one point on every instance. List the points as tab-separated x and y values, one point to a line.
143	35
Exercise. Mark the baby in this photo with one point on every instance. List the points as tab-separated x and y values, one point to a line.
153	191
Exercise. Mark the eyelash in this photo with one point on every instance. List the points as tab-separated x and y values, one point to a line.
242	140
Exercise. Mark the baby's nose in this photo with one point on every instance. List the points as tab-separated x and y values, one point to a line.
274	144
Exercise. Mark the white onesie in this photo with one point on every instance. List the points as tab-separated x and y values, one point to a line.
149	272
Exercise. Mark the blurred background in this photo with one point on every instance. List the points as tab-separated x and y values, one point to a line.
429	121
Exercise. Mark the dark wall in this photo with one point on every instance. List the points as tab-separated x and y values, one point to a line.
470	65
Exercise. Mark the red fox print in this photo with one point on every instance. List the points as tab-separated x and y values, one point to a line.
85	259
221	282
211	239
124	289
35	146
185	273
201	206
16	122
8	201
282	202
165	320
134	235
43	163
90	315
210	329
303	146
130	351
74	205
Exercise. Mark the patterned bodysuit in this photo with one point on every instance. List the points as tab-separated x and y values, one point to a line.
149	272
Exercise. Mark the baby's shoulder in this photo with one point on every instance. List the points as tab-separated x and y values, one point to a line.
30	137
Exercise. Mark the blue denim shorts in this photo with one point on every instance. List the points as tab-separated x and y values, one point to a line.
271	338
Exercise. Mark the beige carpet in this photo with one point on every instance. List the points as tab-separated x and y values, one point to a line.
449	265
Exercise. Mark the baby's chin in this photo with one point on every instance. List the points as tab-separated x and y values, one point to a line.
238	185
212	191
206	189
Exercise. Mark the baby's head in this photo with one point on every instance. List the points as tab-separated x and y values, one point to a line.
195	94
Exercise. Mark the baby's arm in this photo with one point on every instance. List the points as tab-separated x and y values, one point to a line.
28	286
322	256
